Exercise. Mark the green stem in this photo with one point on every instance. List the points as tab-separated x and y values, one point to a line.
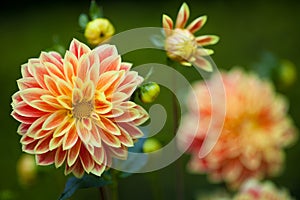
114	186
114	191
178	164
102	191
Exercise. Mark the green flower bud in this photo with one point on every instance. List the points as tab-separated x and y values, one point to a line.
151	145
26	170
287	73
148	92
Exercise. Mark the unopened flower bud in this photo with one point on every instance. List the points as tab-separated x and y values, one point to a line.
148	92
287	73
26	170
151	145
98	30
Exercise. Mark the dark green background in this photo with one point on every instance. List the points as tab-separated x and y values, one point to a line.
246	29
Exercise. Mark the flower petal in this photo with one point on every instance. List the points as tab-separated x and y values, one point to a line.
70	65
55	142
104	51
109	126
70	139
203	64
99	154
60	157
83	133
98	169
51	84
27	82
109	80
95	136
132	130
167	23
197	24
32	94
109	139
183	16
28	111
125	139
86	159
88	90
78	49
73	153
55	119
112	63
52	57
207	40
42	146
45	158
77	96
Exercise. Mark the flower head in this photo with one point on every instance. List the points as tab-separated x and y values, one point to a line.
98	30
254	190
76	110
255	131
182	45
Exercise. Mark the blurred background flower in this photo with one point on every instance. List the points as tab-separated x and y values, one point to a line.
255	190
256	130
26	170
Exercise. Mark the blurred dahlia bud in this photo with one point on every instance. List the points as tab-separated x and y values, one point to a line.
286	73
26	169
148	92
254	190
98	30
151	145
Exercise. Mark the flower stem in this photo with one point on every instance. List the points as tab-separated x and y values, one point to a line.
114	191
179	168
102	191
114	186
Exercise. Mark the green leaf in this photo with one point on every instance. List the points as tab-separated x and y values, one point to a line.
95	10
87	181
83	20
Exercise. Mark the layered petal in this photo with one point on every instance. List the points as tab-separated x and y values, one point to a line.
70	108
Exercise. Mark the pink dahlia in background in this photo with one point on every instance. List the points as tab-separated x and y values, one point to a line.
76	110
182	45
254	190
255	131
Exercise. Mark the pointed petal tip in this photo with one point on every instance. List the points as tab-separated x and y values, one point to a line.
183	15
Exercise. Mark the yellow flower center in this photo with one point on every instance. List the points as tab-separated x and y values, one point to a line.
181	45
83	109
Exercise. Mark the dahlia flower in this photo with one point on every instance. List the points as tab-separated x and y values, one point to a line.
254	190
255	131
76	110
98	30
182	45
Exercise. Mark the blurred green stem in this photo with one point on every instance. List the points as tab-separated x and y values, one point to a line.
102	191
114	186
179	169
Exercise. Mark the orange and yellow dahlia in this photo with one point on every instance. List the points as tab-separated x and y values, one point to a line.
76	110
255	131
182	45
